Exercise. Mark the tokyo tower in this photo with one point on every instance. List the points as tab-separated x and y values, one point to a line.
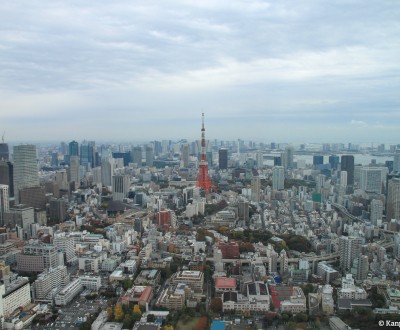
203	180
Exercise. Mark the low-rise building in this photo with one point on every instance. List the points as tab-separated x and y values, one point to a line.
66	295
140	295
350	291
148	277
91	282
326	272
288	299
224	284
194	279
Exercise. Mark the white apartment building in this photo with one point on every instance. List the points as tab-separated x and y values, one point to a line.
16	294
66	295
296	303
350	291
47	281
67	245
91	282
193	278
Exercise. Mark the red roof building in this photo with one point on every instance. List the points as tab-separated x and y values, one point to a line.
224	284
229	250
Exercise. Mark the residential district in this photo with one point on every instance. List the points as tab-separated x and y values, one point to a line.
199	235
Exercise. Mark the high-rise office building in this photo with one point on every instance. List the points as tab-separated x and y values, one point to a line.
343	178
34	197
58	210
137	155
25	168
4	201
347	164
7	176
62	179
74	171
362	267
4	153
277	161
120	187
371	179
393	200
318	160
73	148
149	156
223	159
185	155
243	210
349	250
107	171
88	154
255	187
376	211
289	156
334	161
278	178
126	156
396	161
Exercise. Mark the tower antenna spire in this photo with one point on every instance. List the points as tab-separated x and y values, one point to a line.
203	180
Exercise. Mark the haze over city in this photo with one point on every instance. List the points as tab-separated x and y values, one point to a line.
289	71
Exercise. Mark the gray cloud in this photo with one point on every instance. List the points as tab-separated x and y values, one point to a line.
255	67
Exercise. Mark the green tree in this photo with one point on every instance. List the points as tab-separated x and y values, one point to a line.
151	318
128	322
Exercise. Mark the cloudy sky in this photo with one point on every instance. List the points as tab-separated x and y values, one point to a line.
285	71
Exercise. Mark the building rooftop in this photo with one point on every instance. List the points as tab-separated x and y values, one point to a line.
225	282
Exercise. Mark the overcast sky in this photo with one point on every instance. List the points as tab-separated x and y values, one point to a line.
285	71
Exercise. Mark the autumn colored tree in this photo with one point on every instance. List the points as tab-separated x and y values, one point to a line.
110	313
118	312
202	323
136	309
168	327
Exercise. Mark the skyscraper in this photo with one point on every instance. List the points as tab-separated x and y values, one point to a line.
318	160
349	250
376	211
25	168
255	187
4	201
137	155
393	200
185	155
396	161
347	164
149	156
74	172
334	161
289	153
87	155
120	187
223	159
4	154
371	179
73	148
278	177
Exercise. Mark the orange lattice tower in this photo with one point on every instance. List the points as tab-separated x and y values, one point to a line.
203	180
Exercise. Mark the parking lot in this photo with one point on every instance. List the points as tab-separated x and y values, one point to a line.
69	317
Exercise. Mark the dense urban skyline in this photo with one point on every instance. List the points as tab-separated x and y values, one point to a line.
283	71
